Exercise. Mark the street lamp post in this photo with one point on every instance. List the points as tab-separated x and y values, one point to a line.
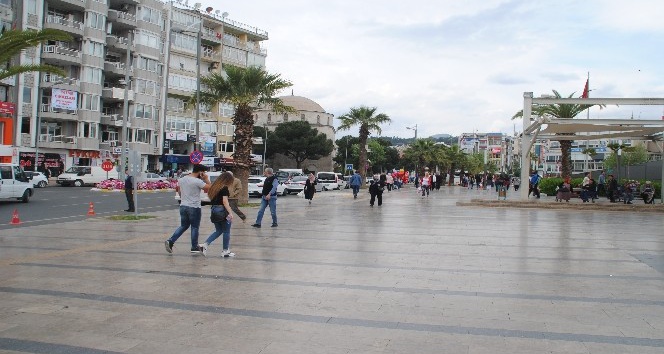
416	162
125	109
265	147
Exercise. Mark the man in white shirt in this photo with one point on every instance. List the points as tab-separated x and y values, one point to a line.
190	187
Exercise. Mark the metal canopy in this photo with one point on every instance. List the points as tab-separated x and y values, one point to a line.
585	129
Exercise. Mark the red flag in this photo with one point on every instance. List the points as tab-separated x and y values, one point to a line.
586	89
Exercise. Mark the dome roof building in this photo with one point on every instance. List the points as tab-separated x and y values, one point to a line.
305	110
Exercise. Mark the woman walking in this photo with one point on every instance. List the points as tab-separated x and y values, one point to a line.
219	193
426	183
310	187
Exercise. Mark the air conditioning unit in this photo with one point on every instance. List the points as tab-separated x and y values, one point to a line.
114	116
113	143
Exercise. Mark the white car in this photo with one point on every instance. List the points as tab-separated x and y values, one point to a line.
296	185
255	186
329	180
38	179
152	177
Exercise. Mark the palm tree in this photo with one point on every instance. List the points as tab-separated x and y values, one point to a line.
12	42
567	111
368	122
457	158
423	152
246	89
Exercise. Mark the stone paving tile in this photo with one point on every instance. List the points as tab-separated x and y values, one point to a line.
415	275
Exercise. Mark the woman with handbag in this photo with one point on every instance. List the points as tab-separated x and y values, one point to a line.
221	213
310	187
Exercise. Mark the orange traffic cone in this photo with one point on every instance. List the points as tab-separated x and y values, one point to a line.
15	219
91	209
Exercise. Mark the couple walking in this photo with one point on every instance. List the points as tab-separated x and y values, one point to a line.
223	193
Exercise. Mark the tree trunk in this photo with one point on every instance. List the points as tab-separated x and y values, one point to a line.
451	181
244	130
565	158
364	135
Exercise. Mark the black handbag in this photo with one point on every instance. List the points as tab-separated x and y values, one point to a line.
218	213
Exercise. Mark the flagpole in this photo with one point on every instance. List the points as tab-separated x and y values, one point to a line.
587	117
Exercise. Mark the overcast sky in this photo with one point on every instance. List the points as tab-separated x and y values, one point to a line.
458	66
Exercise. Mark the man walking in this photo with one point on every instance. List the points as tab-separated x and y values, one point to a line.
129	191
355	183
268	197
190	187
601	183
534	184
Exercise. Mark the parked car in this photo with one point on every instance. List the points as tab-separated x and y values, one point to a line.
255	186
79	176
204	197
296	185
343	182
154	177
38	179
284	175
329	180
14	184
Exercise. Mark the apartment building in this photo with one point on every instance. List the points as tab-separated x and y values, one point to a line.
492	145
131	64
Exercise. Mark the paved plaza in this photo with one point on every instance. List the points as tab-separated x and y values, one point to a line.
412	276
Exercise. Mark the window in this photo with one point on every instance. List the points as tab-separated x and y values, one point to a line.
179	124
269	117
145	111
185	41
87	130
94	48
148	39
95	20
226	147
227	129
149	15
183	83
90	102
318	119
30	6
302	117
91	75
27	95
285	117
147	87
110	135
184	63
143	136
175	104
185	19
148	64
226	110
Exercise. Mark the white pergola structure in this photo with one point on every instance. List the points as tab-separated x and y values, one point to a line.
585	129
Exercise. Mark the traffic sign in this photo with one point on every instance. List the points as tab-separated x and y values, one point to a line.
196	157
107	165
349	166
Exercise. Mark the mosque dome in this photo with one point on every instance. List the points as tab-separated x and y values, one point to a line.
302	104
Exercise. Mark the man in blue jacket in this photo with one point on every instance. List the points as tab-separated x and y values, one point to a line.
355	183
534	184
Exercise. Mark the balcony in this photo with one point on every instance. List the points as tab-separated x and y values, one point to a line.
57	141
121	19
117	42
210	55
67	4
58	55
64	24
115	68
116	94
58	113
49	80
212	36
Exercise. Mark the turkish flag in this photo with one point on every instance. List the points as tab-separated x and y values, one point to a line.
586	89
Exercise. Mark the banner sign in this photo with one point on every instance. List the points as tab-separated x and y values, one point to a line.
64	99
7	108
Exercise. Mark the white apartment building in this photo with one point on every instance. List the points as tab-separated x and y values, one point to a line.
78	119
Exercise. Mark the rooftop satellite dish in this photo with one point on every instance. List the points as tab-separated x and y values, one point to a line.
224	15
216	12
209	9
186	2
197	5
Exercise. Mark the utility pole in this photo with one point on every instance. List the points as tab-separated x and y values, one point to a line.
125	110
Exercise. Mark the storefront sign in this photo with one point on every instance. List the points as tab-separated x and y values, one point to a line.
7	108
64	99
84	154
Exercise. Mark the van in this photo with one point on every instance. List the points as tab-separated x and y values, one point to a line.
329	180
285	174
14	183
82	175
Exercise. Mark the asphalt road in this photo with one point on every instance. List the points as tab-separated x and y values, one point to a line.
58	204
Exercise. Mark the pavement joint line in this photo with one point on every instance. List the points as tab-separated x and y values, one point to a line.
346	321
317	284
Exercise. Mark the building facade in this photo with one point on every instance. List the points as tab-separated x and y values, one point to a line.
308	111
131	64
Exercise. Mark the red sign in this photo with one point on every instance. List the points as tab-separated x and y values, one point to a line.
107	166
196	157
7	108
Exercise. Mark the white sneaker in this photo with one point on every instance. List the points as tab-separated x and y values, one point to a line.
227	253
203	247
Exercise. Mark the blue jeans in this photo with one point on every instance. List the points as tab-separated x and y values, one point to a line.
189	217
221	228
356	189
273	209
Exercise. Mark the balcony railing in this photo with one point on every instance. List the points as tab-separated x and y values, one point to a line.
64	22
56	49
56	79
45	107
126	16
50	138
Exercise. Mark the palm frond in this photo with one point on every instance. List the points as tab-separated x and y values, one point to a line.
19	69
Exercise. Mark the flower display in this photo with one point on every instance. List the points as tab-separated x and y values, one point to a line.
116	184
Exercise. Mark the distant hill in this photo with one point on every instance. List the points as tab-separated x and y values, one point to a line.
440	136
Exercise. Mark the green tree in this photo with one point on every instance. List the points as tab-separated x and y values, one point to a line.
368	121
299	141
376	155
630	155
12	42
246	89
345	152
457	160
566	111
422	153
